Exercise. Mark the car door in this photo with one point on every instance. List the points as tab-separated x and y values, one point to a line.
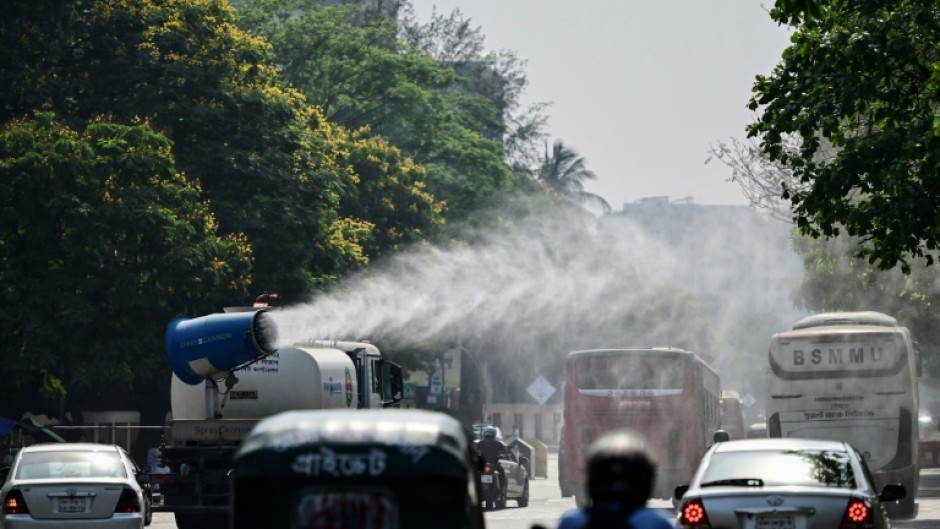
514	480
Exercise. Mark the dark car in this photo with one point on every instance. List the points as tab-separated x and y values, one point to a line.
784	484
517	478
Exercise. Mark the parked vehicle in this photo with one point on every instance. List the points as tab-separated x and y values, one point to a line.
670	396
229	373
850	376
88	484
511	484
784	483
412	469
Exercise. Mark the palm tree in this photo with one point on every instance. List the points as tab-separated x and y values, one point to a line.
564	172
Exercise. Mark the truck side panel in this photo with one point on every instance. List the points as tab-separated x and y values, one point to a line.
293	378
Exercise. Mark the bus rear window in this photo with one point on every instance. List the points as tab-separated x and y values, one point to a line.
625	372
860	354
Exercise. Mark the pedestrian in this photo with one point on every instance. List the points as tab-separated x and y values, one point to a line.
620	476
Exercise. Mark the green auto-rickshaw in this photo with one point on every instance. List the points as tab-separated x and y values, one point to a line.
363	469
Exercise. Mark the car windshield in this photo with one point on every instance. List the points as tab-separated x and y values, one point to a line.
780	467
70	464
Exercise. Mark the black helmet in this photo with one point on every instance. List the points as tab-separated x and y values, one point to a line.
620	469
721	436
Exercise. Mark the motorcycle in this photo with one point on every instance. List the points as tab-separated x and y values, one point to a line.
493	487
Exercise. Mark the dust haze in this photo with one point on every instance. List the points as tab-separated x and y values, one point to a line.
556	283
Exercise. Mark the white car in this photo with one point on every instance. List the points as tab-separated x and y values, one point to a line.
783	484
89	484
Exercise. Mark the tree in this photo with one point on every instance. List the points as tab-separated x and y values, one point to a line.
102	242
390	195
445	114
564	172
498	75
264	158
861	78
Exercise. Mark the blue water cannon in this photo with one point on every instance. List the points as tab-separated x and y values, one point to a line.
218	343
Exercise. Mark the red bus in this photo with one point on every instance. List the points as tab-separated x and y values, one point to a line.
670	396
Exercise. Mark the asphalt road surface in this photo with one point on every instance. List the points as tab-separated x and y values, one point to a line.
546	506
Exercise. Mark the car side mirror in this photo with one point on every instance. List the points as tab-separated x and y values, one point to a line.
523	460
680	491
893	492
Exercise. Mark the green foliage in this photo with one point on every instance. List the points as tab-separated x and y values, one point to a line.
796	11
564	172
100	239
350	64
263	158
390	195
858	86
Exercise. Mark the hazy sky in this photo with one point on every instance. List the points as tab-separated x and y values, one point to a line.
641	90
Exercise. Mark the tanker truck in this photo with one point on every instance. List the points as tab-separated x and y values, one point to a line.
229	374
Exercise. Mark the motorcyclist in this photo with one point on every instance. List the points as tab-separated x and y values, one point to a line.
491	450
620	475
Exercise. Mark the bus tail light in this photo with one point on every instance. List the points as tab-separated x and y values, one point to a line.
14	503
692	515
858	515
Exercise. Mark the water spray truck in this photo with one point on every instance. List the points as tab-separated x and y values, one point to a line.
228	374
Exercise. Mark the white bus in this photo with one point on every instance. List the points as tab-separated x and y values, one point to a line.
850	376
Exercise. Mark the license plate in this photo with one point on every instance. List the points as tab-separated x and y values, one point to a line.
775	522
71	504
486	478
319	509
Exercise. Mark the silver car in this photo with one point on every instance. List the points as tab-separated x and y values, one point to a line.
72	485
783	484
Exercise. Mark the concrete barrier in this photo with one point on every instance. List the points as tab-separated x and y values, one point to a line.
536	451
541	459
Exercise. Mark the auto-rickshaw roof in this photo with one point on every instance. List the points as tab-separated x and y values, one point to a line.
293	430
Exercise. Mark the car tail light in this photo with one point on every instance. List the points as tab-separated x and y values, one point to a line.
14	503
858	515
128	502
692	515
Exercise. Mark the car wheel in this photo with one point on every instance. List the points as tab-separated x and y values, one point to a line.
523	500
148	513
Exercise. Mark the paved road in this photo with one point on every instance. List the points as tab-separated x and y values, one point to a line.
546	506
